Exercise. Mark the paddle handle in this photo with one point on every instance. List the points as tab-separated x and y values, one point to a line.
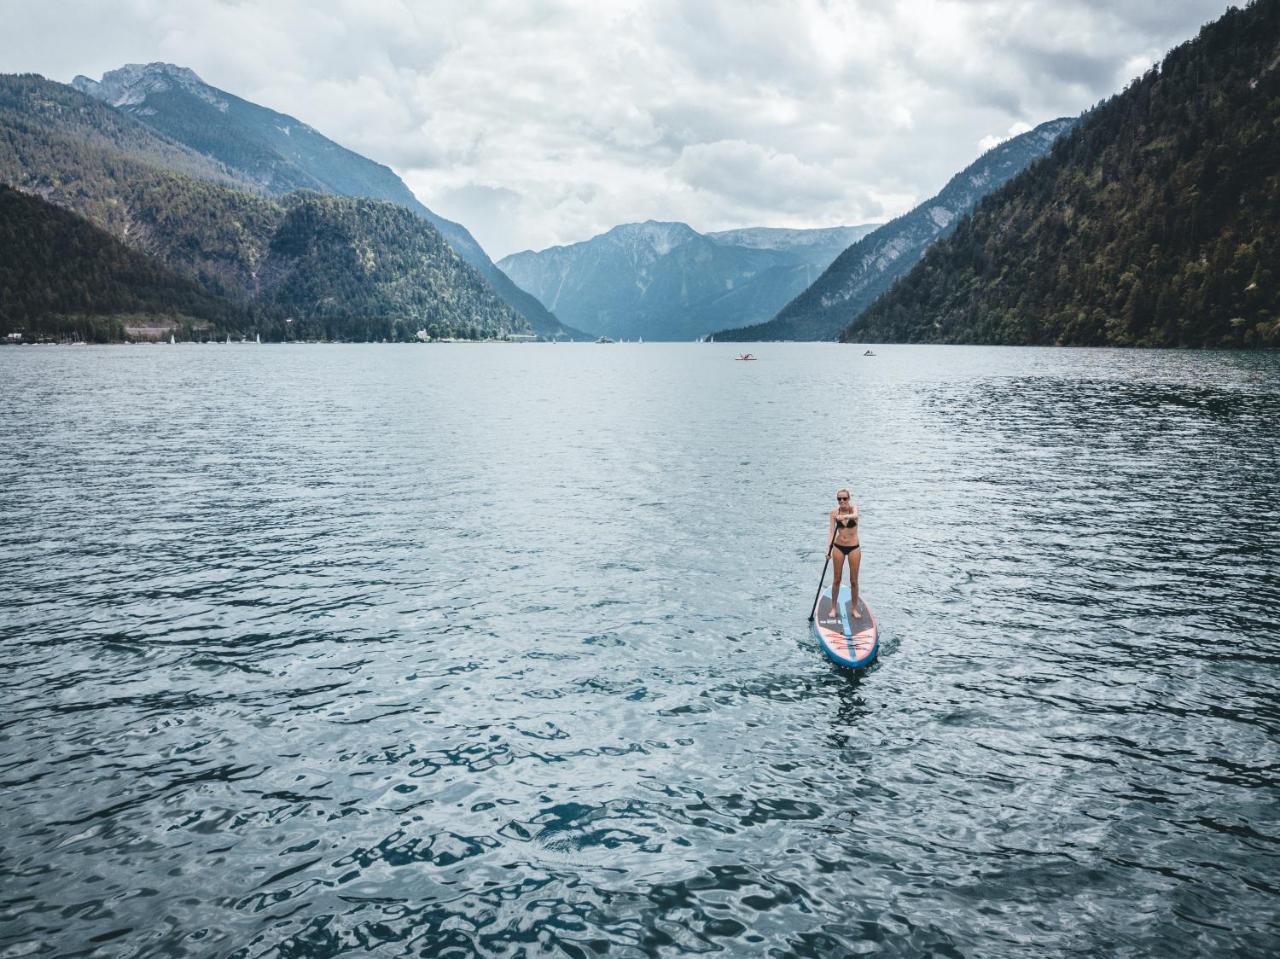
813	610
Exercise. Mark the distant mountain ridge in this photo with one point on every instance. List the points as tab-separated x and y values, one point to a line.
276	152
666	281
782	238
1156	222
868	268
280	154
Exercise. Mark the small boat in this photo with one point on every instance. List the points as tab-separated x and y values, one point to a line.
868	353
604	339
745	356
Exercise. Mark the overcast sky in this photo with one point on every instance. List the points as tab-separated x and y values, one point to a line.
549	121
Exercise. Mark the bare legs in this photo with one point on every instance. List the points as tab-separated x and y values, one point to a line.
837	571
855	561
837	564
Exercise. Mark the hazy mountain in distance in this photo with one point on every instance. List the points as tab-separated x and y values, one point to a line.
868	268
281	154
814	245
666	281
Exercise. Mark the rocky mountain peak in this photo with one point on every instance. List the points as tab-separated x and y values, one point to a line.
661	237
131	84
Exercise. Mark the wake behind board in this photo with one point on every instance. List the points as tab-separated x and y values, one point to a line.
849	639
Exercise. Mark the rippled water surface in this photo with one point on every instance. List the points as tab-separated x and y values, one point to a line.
501	650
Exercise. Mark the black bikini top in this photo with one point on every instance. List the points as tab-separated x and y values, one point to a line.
847	524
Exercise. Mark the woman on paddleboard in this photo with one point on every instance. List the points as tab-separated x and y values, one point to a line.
842	534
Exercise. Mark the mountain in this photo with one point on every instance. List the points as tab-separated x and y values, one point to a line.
142	188
1155	223
666	281
813	246
350	268
61	276
869	267
280	154
384	272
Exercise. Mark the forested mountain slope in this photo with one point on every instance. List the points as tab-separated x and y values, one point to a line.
61	276
29	100
387	269
869	267
361	269
1155	223
106	167
280	154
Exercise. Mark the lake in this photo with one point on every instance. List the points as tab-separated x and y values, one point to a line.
502	650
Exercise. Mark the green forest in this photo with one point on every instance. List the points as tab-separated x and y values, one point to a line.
1155	223
304	266
62	277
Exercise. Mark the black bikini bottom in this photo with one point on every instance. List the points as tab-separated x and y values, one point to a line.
846	549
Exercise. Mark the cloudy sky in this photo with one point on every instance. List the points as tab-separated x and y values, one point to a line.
549	121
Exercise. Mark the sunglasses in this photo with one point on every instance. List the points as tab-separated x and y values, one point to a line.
842	499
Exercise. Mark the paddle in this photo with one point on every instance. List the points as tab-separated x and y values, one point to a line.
813	610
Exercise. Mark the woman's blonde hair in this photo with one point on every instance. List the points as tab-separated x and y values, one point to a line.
845	490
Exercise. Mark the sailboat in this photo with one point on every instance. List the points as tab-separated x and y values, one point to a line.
170	339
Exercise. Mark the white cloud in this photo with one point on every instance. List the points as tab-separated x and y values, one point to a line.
747	176
995	139
548	121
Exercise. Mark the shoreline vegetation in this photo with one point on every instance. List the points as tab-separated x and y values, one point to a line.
16	343
15	339
8	341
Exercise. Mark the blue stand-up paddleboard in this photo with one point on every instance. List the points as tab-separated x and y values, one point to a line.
850	638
